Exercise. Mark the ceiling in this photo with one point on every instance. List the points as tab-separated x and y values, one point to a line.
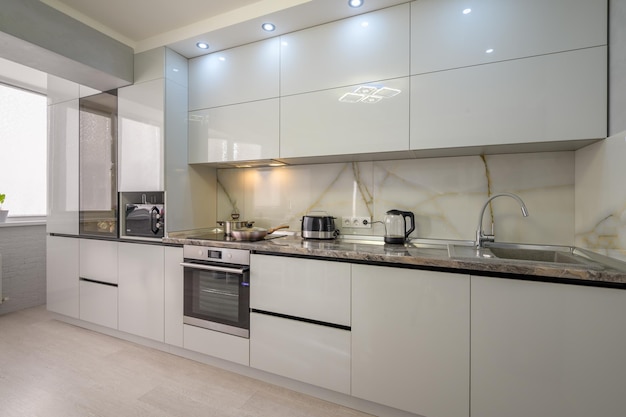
147	24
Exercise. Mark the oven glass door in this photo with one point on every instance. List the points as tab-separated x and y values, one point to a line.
217	298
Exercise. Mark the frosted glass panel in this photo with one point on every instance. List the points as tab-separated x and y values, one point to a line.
98	156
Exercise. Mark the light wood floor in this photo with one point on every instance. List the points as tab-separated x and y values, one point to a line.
49	368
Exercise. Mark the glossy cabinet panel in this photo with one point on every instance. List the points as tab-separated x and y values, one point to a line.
141	290
306	352
98	260
543	349
141	136
173	296
458	33
240	132
364	118
237	75
63	182
360	49
98	303
307	288
220	345
62	275
411	339
547	98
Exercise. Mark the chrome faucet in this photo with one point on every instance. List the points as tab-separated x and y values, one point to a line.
481	237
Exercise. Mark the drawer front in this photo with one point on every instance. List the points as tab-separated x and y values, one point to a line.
98	260
306	352
306	288
221	345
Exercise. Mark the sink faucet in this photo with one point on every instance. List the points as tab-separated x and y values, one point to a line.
481	237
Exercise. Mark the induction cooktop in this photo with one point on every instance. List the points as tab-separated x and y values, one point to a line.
220	236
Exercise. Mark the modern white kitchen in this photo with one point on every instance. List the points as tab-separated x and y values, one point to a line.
313	141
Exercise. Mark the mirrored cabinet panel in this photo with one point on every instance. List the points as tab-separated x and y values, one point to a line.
98	165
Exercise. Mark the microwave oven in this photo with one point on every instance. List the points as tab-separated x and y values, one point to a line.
145	220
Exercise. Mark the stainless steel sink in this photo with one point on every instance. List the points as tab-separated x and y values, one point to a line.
552	254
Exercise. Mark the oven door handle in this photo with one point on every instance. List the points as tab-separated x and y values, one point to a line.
212	268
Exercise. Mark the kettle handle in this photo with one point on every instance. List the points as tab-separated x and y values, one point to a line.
411	216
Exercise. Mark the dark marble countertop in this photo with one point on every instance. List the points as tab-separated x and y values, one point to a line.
422	256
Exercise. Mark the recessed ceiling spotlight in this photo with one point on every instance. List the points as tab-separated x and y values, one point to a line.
355	3
467	11
489	51
202	45
268	27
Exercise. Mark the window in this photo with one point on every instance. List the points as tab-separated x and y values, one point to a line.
23	151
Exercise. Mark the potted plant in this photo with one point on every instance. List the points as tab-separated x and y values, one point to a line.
3	213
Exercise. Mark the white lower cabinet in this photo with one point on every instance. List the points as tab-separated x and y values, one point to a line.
220	345
62	275
141	290
543	349
173	296
311	353
98	303
305	288
411	340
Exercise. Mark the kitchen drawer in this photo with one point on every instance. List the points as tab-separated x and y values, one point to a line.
221	345
306	352
98	303
98	260
306	288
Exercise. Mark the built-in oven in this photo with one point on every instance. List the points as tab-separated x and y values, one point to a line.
217	289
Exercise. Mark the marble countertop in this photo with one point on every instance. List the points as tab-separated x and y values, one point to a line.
427	256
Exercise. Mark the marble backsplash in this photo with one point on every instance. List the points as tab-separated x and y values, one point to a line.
600	218
446	194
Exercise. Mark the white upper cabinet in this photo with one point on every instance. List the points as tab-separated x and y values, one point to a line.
458	33
540	99
369	47
141	112
237	75
362	118
219	135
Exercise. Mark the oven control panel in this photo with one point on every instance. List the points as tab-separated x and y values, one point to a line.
220	255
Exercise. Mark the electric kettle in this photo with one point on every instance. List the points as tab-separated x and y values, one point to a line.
396	228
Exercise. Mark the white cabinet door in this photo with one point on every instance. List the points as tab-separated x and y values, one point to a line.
141	290
361	49
410	339
237	75
367	118
543	349
173	296
98	260
306	288
541	99
456	33
306	352
221	135
141	133
98	303
62	216
62	275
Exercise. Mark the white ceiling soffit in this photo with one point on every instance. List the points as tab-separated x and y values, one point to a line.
147	24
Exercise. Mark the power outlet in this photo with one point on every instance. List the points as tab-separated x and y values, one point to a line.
357	222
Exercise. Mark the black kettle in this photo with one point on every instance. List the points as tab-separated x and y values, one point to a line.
396	226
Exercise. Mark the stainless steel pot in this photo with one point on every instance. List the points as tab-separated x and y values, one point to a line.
253	234
230	225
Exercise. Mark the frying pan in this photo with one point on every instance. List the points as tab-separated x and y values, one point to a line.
254	233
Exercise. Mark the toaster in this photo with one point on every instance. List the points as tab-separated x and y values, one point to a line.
318	226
